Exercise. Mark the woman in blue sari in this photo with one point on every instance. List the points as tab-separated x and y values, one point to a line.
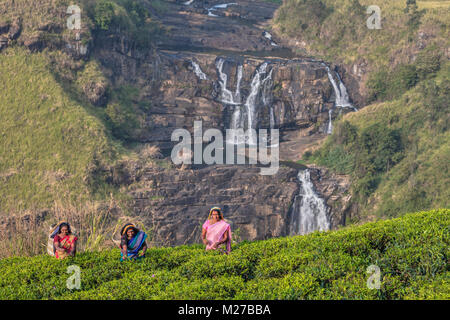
132	244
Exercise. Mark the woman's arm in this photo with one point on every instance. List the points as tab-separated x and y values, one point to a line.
74	249
205	242
144	248
224	240
57	244
124	247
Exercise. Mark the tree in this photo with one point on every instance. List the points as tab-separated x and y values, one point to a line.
412	10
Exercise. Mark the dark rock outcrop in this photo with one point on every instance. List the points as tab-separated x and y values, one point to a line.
335	190
176	202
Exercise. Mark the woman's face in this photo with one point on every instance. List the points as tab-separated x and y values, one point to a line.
130	233
215	216
64	230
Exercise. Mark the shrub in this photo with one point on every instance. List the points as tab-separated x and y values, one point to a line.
411	252
428	62
103	14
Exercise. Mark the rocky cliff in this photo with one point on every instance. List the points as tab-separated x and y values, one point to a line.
219	64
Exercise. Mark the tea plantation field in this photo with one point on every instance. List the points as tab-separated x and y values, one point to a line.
411	253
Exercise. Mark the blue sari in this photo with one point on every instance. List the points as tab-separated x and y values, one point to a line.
134	245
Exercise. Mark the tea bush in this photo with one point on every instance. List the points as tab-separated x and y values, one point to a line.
411	253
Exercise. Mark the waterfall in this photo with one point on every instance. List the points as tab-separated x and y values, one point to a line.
267	35
272	118
219	6
309	211
251	102
245	115
188	2
342	98
236	117
227	96
198	72
330	125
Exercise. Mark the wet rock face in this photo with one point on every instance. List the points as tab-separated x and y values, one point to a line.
175	203
299	93
184	85
227	28
335	190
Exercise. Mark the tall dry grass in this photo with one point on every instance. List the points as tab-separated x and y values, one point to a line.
94	223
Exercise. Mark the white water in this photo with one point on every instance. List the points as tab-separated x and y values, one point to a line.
272	118
342	98
245	115
250	103
330	125
219	6
309	211
236	117
269	36
188	2
198	71
227	96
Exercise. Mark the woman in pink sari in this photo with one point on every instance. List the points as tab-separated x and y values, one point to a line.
216	231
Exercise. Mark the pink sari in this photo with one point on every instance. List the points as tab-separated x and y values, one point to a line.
215	232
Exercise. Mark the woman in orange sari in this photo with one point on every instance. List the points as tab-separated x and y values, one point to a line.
216	232
64	243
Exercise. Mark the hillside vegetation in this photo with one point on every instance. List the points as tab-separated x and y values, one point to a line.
396	148
337	31
397	152
64	123
51	142
411	252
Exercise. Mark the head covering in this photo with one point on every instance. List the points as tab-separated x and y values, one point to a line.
58	227
127	227
215	209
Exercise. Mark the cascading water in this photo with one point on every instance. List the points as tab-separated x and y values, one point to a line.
236	117
330	124
227	97
251	102
245	116
309	211
198	71
219	6
267	35
342	98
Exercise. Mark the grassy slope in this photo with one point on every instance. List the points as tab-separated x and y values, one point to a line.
53	138
50	142
342	36
411	252
424	170
421	179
